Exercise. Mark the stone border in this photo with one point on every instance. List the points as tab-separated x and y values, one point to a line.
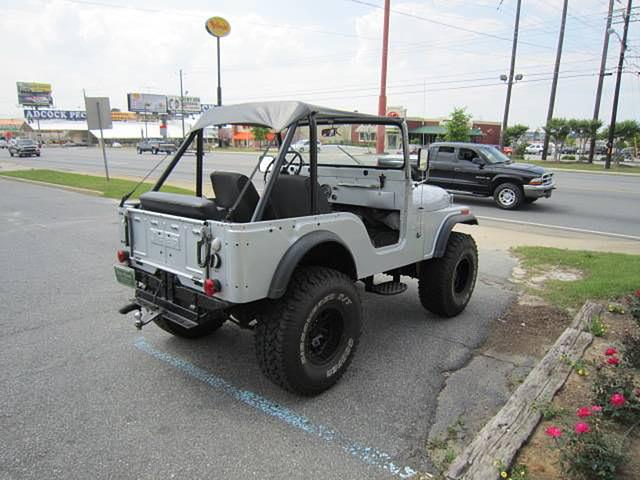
501	438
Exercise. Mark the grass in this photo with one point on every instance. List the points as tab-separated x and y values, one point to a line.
605	276
115	188
591	167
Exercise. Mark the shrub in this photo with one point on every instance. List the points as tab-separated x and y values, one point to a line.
597	327
586	451
568	157
613	388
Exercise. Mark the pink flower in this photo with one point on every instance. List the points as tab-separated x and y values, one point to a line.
638	293
584	412
613	361
582	428
617	400
610	351
553	432
596	408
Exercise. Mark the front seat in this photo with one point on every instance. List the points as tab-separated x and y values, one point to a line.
227	187
291	197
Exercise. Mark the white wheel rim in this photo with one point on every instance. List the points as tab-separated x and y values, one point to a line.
507	197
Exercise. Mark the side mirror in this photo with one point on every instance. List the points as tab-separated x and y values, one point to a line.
265	163
478	161
423	159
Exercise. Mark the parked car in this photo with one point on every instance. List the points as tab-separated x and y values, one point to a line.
156	146
24	147
482	170
3	143
116	145
568	150
304	146
534	149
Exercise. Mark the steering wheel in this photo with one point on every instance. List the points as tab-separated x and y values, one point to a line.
291	167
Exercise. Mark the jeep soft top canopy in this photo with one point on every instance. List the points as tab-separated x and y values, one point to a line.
277	115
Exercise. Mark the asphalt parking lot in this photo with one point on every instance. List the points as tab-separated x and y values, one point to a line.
85	395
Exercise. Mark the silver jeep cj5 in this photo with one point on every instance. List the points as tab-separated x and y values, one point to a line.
284	258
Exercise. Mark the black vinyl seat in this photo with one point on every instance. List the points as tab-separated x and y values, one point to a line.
291	197
227	187
181	205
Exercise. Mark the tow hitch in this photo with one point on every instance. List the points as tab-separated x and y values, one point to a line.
141	319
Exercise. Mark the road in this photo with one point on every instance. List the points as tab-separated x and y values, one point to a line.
84	395
595	202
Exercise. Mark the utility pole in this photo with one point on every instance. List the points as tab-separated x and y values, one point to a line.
382	100
182	102
554	85
507	104
616	95
603	66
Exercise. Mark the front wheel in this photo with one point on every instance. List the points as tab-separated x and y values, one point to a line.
445	284
202	330
305	341
508	196
11	153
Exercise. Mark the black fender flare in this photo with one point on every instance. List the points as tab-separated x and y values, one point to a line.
447	227
296	252
499	179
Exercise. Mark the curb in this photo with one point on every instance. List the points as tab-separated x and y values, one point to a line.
53	185
595	172
501	438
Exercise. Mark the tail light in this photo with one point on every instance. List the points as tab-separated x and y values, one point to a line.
123	256
211	287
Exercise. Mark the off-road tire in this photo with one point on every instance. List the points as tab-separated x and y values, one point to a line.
445	284
306	340
508	196
202	330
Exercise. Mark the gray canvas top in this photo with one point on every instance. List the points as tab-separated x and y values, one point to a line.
274	115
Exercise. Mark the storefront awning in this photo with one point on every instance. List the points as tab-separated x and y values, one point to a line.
243	136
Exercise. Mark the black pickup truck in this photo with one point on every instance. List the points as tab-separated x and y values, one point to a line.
482	170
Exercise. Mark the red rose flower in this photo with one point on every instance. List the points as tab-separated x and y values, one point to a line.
610	351
613	361
553	432
617	400
584	412
582	428
638	293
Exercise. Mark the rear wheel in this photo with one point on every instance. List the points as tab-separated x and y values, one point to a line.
446	284
508	196
202	330
306	340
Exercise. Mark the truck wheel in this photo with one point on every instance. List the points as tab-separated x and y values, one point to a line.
202	330
305	340
445	284
508	196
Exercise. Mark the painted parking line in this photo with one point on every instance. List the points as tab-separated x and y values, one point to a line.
560	227
369	455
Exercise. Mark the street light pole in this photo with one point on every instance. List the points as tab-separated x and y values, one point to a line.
219	84
603	66
182	103
382	99
554	85
616	95
514	48
146	133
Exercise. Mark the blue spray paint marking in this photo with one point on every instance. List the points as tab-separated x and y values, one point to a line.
368	455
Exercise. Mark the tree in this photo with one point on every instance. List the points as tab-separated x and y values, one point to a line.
458	129
513	134
627	134
558	130
583	130
260	134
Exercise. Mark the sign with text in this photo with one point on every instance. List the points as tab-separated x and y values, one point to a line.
98	113
189	104
147	102
34	94
70	115
217	26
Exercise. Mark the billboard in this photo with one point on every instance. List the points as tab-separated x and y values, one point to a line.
147	102
191	104
31	114
34	94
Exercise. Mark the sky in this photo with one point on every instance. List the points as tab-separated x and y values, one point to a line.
442	54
